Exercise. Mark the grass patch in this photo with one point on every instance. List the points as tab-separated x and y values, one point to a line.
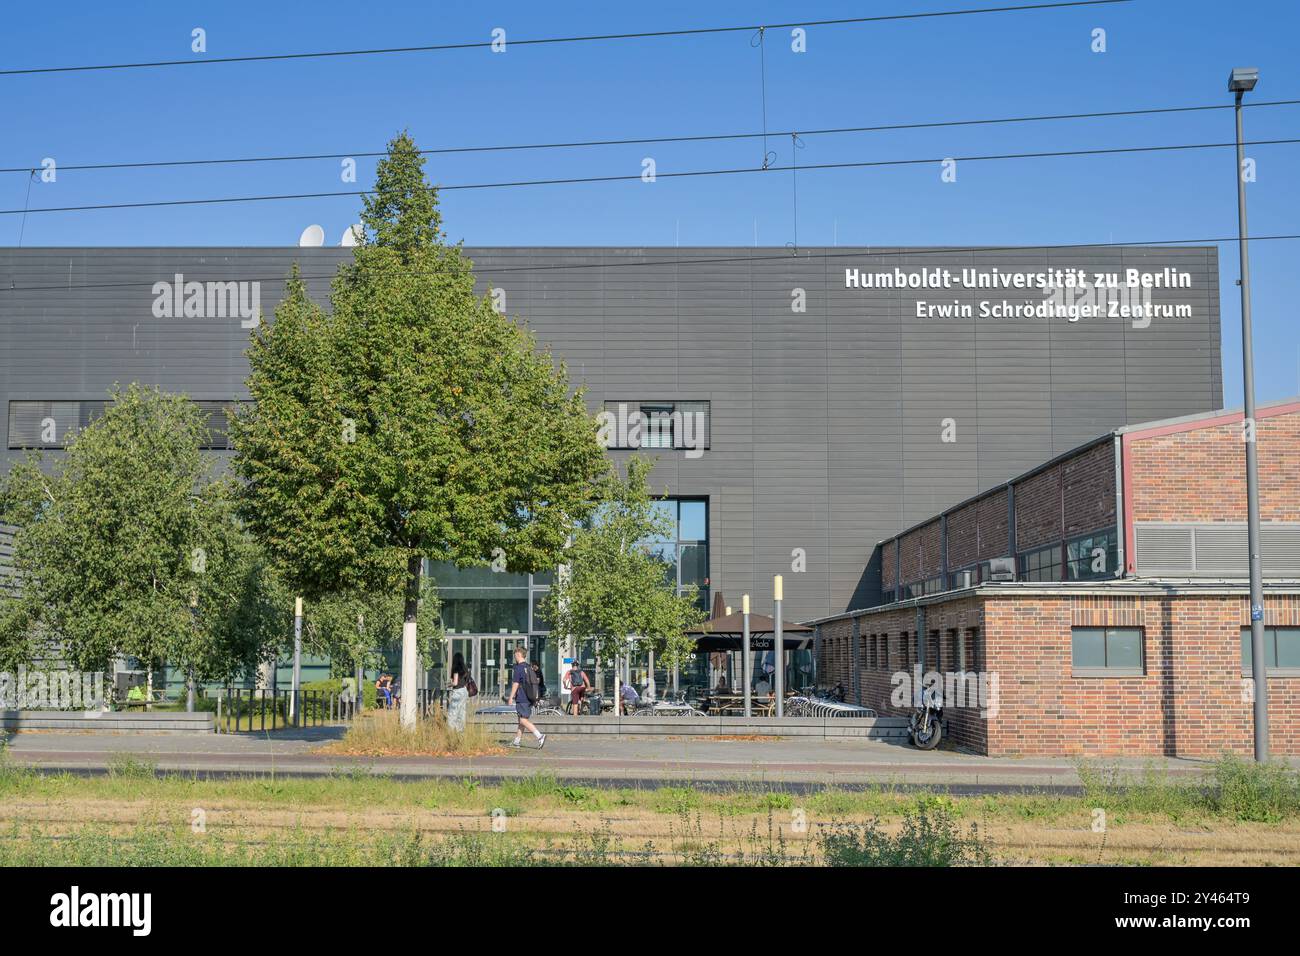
379	733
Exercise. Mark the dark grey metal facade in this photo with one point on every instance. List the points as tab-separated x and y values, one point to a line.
826	424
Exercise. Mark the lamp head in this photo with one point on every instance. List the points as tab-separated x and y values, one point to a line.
1243	79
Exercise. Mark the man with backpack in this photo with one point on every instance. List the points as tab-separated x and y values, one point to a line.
523	694
576	683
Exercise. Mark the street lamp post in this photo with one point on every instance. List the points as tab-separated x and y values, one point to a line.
778	646
1241	81
745	661
297	659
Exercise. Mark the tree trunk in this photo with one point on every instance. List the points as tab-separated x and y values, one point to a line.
410	650
189	692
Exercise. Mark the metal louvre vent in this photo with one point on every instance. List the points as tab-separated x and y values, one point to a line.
1280	549
1221	550
1164	549
1215	549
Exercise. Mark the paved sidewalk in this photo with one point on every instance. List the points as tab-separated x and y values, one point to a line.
644	761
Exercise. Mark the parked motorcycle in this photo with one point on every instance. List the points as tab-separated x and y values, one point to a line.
926	723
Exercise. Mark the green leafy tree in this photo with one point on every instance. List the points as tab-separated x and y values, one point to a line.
412	421
614	587
126	546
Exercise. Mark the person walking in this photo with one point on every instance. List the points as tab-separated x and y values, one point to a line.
577	683
458	699
523	694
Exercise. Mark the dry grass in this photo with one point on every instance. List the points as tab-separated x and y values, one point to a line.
379	733
628	828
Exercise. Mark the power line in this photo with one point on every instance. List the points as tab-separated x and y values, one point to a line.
784	255
655	140
572	180
537	41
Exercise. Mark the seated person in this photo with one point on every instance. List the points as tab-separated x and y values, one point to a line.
723	687
762	688
384	690
630	697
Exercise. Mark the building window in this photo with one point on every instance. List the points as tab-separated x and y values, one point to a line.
1043	564
686	554
1106	651
50	425
918	589
1092	556
1281	651
480	600
631	425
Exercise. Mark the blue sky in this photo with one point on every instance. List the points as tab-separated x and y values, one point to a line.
1159	53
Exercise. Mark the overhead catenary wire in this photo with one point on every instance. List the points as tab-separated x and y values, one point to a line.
539	41
783	256
657	140
628	177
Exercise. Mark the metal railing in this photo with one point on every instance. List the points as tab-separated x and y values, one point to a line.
243	709
824	707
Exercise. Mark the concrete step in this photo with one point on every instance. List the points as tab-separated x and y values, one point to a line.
874	728
170	722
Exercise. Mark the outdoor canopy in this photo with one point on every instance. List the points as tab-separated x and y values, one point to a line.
724	632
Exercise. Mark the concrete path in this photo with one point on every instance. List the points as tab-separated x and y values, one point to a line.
612	760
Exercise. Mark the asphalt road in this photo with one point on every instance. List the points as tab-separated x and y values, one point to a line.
798	763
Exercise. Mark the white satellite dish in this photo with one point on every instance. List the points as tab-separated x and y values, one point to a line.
313	235
352	235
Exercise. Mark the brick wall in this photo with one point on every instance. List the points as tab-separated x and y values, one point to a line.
1072	497
1189	702
978	530
1200	474
896	631
920	554
1089	488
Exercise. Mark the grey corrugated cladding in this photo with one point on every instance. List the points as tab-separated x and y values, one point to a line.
825	424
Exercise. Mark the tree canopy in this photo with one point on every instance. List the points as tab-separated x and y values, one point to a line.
413	420
126	545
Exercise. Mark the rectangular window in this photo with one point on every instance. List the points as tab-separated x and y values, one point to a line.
1281	650
1092	556
1106	651
1043	564
51	424
630	425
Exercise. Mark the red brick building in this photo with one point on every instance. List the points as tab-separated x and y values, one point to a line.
1096	605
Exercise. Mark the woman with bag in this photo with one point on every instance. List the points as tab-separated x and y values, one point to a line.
458	699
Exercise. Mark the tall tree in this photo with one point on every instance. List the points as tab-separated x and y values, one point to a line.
126	546
615	587
413	421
